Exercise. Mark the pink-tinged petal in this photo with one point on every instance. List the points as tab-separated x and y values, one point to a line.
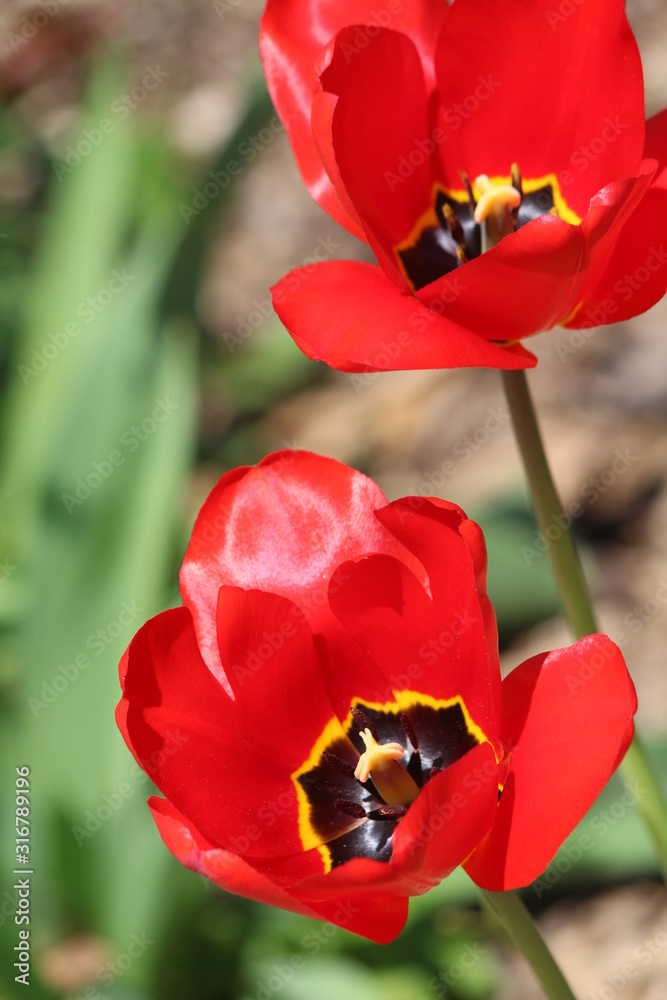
350	315
283	527
555	92
567	725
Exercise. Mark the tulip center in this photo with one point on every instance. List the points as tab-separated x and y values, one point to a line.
464	223
363	774
379	761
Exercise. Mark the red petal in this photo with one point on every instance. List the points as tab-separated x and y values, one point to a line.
379	119
517	288
432	533
497	65
351	316
210	755
292	39
283	527
624	273
380	920
568	722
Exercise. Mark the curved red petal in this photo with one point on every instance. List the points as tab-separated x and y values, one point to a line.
379	119
567	725
624	272
379	920
518	288
350	315
656	141
497	65
283	527
293	37
432	533
199	745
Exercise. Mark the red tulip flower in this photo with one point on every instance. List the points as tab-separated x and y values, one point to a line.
494	157
325	715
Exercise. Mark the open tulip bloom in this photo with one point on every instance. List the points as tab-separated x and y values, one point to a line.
493	156
325	714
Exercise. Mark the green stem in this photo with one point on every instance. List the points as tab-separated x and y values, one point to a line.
572	588
525	934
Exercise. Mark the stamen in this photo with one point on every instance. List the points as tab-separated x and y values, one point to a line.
409	730
391	812
452	222
461	256
380	762
338	763
350	808
516	179
468	186
362	722
495	200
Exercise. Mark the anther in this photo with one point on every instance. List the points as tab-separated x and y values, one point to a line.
333	760
350	808
468	186
409	730
362	722
452	222
391	812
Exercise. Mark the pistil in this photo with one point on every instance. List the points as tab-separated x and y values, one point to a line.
380	762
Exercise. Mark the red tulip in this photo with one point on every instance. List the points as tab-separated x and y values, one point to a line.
432	131
325	713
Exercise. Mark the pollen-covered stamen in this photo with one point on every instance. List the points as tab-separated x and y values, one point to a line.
495	201
350	808
451	220
390	812
340	765
409	730
380	762
472	202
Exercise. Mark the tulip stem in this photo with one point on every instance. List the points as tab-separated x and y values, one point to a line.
525	934
570	581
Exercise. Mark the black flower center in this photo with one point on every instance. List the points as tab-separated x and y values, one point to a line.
449	235
349	818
